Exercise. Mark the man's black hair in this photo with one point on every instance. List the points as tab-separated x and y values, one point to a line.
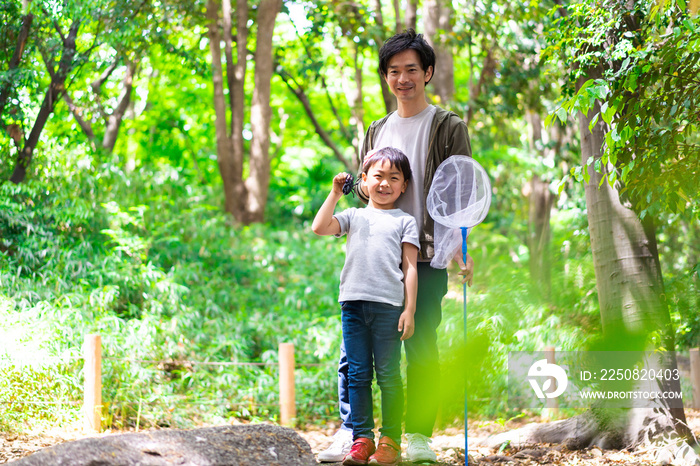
392	155
404	41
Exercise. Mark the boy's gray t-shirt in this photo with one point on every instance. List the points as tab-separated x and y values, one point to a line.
372	270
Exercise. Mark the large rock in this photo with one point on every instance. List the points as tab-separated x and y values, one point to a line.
243	445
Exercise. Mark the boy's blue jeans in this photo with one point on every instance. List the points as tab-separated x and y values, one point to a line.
372	341
423	370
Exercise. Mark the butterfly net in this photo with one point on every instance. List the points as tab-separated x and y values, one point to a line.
460	196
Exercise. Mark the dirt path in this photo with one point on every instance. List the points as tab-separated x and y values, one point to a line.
448	444
449	447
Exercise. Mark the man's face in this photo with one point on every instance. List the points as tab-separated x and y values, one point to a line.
405	76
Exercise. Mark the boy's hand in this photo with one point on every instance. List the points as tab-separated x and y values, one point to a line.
338	182
406	325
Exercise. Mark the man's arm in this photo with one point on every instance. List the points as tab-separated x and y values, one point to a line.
360	189
460	143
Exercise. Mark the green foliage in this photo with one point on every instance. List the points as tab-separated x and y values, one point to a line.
505	314
151	265
654	140
19	386
640	65
298	189
168	279
135	246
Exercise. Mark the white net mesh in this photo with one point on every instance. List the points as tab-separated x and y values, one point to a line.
460	196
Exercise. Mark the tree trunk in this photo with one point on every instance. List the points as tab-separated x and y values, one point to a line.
541	199
626	261
628	276
53	93
258	181
437	16
16	58
224	143
389	100
245	200
356	107
488	71
115	119
411	14
397	15
237	93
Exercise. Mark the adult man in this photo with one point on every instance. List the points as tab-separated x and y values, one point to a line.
427	134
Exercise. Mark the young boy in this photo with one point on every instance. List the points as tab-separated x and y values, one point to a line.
378	298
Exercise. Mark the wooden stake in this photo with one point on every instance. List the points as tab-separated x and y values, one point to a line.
551	411
93	383
287	398
695	375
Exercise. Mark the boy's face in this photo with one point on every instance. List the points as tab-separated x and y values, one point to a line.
406	77
385	183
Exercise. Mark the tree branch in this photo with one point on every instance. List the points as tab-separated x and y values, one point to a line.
487	69
84	125
96	85
343	129
301	95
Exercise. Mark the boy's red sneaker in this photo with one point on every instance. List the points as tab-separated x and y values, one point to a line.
361	450
388	453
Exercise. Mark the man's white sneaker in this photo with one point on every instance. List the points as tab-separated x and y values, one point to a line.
342	443
418	450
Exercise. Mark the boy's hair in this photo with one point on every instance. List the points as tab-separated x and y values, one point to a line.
392	155
404	41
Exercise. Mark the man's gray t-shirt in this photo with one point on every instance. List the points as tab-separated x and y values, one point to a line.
410	135
372	270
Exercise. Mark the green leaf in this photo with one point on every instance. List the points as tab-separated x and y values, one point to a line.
614	135
562	184
603	109
562	114
548	120
601	91
586	176
608	109
626	134
577	173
